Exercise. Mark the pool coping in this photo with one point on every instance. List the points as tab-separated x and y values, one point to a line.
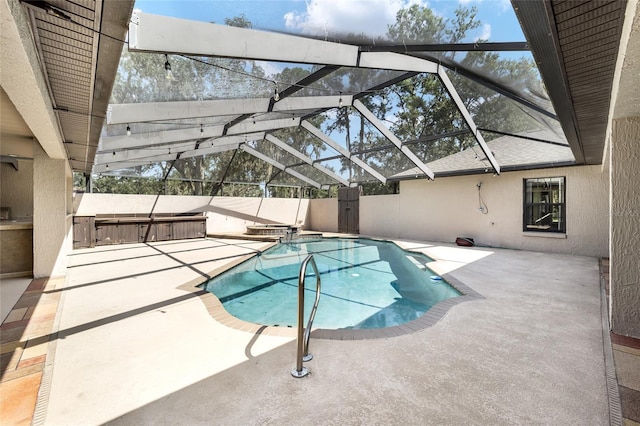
428	319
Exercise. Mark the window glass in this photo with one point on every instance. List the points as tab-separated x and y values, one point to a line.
544	205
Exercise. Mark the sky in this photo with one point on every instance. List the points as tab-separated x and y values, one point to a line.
325	17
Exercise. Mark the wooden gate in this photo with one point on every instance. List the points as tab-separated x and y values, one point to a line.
349	210
83	232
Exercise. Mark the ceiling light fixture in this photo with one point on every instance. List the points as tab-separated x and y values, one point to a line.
276	94
128	130
340	101
201	129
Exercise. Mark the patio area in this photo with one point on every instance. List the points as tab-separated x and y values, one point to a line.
134	346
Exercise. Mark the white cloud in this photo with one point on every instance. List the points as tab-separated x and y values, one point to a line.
485	33
271	68
501	5
326	17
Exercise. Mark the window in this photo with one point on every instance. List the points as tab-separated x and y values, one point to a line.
544	205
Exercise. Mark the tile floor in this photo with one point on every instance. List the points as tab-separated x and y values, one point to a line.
11	290
24	341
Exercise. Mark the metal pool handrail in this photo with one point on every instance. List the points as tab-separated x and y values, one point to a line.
303	336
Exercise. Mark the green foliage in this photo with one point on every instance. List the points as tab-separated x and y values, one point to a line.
107	184
332	192
379	188
417	24
79	182
414	110
423	106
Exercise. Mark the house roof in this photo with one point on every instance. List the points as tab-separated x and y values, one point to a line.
576	47
528	151
78	44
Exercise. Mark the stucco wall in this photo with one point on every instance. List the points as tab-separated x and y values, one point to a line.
323	215
224	214
384	220
51	223
625	227
16	189
445	208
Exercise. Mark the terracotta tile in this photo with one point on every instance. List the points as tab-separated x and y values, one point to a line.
44	310
27	362
14	324
9	361
54	283
625	341
23	372
30	312
15	315
12	335
36	329
19	401
35	348
11	346
27	300
630	400
37	285
627	369
41	318
50	297
626	349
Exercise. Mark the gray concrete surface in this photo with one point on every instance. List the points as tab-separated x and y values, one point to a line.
133	349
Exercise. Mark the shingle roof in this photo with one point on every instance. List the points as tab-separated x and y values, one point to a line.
512	153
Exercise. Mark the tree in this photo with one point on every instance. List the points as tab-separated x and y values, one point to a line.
421	106
414	109
112	184
141	78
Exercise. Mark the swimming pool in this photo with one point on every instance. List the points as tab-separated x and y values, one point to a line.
365	284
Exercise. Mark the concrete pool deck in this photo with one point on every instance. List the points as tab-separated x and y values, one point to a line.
134	348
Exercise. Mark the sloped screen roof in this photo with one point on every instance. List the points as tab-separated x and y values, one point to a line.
201	102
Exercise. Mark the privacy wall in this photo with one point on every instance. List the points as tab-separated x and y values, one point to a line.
224	214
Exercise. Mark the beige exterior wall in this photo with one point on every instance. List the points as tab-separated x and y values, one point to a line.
224	214
625	227
323	215
16	191
384	222
446	208
51	224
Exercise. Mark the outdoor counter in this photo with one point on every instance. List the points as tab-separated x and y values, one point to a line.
16	248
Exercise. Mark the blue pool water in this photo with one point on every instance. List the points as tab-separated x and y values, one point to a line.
365	284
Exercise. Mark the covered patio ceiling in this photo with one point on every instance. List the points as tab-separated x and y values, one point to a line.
264	119
77	47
